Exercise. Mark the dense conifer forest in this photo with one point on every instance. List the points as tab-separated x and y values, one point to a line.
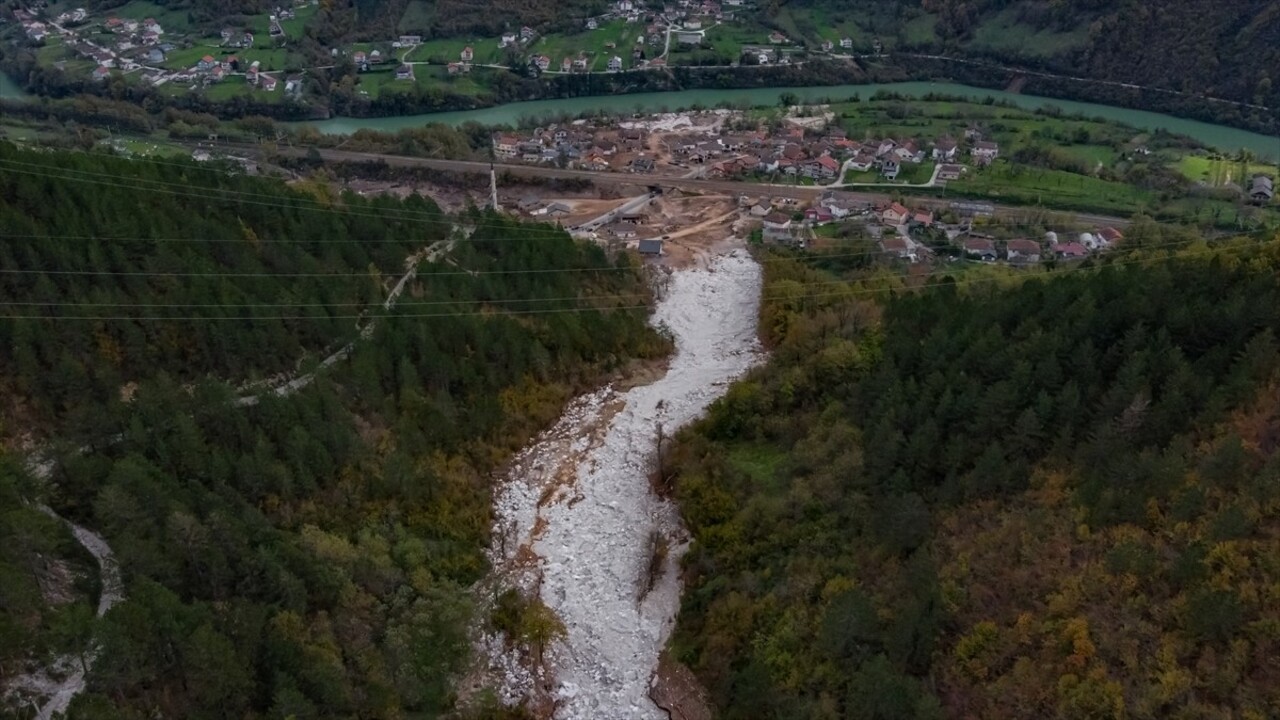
1054	498
308	556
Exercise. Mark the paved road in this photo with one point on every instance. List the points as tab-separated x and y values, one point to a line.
727	187
631	205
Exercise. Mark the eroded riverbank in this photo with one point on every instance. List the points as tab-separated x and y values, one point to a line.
576	515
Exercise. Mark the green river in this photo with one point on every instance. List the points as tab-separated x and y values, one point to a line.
1218	136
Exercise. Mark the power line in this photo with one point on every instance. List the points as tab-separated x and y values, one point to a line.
402	214
521	222
849	291
428	272
436	218
192	318
245	197
406	215
398	304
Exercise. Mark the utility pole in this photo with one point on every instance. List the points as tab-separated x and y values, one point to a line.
493	187
493	180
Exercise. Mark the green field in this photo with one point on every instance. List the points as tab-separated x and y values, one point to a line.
915	173
183	58
485	51
270	59
437	77
593	43
302	15
1014	184
260	25
729	39
1093	154
174	21
237	87
1002	33
52	51
1216	172
867	176
1011	127
382	80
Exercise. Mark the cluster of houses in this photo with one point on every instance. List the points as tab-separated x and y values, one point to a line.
900	231
236	38
130	44
791	150
512	40
1028	251
364	60
579	145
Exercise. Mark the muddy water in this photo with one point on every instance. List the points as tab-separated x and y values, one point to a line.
576	514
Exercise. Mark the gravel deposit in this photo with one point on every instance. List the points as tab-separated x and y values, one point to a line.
576	513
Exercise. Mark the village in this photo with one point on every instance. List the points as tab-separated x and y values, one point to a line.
144	50
671	226
162	50
707	145
682	224
722	144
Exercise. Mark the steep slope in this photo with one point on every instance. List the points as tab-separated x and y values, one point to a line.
1054	499
307	556
1227	50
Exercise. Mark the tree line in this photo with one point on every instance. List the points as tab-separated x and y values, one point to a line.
308	556
1047	497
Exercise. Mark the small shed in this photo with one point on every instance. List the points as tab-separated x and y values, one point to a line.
1262	189
651	247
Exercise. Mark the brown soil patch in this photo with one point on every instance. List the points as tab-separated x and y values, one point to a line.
641	372
676	690
539	527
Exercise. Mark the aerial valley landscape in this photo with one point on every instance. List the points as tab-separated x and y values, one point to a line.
687	359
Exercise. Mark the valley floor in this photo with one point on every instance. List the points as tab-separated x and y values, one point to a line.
578	521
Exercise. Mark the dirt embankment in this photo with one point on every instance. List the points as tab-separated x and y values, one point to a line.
678	692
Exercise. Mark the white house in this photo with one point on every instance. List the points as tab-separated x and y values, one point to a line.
506	146
944	149
615	64
777	226
1024	250
984	151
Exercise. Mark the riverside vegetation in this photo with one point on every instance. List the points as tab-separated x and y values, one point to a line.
309	556
1045	497
1200	47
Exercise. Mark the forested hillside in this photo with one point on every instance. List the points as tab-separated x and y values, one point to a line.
1228	50
308	556
1054	498
89	236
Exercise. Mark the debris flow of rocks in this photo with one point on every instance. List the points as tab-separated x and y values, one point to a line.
576	516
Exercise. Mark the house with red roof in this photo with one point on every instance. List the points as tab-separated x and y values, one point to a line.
1023	250
895	214
1109	235
1071	251
980	248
